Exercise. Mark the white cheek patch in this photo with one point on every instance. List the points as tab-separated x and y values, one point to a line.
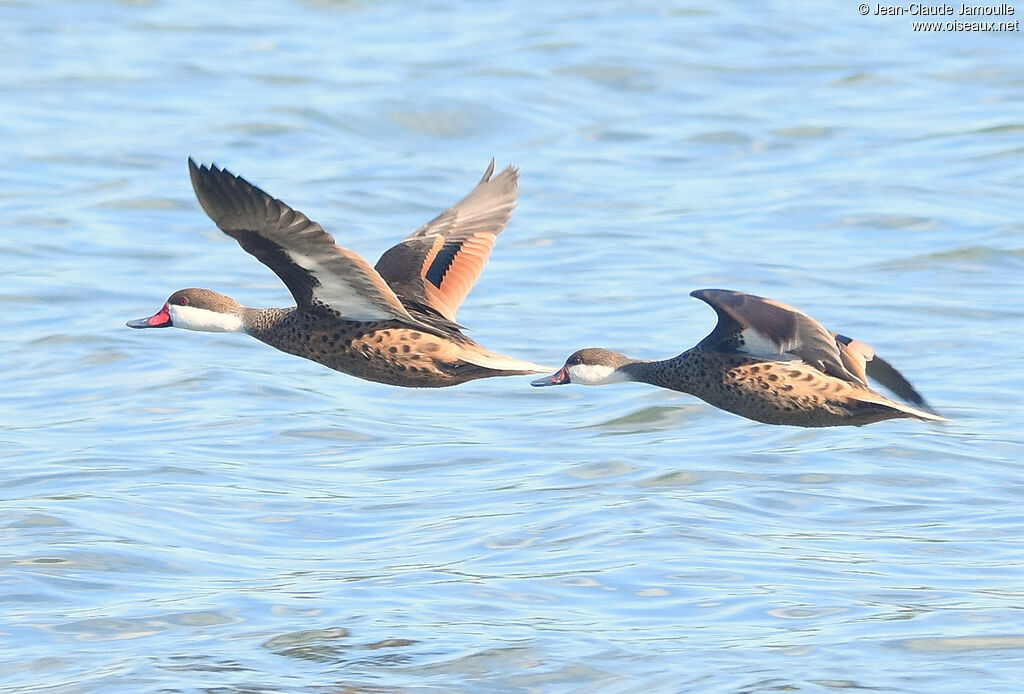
595	375
192	318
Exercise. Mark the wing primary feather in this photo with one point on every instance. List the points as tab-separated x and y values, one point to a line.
771	329
438	264
319	274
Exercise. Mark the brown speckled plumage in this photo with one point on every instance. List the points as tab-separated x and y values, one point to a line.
772	392
391	324
382	351
821	387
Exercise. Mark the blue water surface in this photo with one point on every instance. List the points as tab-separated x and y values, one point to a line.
193	512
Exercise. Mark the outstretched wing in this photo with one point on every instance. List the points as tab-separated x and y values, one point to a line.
437	265
862	360
771	329
317	272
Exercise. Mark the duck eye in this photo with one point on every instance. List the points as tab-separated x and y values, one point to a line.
182	301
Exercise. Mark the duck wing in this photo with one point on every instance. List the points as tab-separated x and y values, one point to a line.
317	272
862	360
771	329
435	267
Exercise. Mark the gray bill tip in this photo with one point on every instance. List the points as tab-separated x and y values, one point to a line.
556	379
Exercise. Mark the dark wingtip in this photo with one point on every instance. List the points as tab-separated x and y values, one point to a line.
488	173
200	171
890	377
216	188
510	172
194	172
708	294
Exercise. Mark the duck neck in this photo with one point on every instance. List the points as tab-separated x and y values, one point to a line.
640	370
258	322
665	373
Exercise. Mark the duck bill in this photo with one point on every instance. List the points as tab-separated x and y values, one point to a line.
158	320
556	379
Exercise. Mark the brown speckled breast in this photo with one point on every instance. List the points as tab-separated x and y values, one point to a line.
773	392
385	351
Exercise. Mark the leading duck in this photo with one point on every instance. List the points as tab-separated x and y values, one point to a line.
765	361
393	323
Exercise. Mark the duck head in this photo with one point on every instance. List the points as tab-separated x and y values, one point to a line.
196	309
592	366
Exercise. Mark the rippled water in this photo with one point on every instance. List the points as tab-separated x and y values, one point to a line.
186	512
